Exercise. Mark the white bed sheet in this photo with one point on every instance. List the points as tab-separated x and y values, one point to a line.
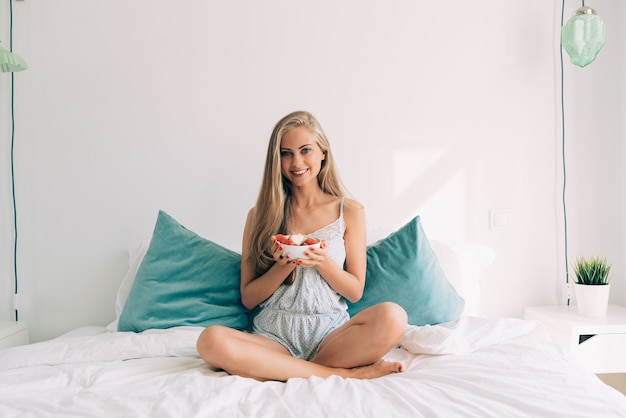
474	367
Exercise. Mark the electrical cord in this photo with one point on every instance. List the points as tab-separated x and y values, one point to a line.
15	279
563	157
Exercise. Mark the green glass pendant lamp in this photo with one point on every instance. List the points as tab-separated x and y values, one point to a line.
583	36
11	63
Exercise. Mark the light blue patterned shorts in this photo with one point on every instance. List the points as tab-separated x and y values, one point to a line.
301	334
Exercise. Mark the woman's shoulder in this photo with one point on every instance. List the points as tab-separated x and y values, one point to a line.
352	205
250	217
353	210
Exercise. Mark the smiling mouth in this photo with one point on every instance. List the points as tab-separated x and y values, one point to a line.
299	172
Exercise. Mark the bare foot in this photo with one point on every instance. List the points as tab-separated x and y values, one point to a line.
378	369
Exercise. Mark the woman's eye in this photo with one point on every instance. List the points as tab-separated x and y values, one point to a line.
285	153
306	150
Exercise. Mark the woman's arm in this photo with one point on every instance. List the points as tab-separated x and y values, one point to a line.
349	282
256	289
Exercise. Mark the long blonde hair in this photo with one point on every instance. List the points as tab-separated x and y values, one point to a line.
273	205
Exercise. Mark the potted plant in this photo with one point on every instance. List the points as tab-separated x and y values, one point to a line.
592	285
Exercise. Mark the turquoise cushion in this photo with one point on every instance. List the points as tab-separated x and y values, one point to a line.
403	268
184	279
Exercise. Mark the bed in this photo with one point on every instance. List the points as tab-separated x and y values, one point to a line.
457	364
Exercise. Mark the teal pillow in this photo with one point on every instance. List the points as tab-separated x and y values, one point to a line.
403	268
184	279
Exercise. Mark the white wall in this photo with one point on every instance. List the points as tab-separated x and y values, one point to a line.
443	109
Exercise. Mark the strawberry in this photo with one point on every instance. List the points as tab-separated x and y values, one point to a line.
310	241
283	239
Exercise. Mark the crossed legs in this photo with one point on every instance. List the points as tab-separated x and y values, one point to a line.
352	350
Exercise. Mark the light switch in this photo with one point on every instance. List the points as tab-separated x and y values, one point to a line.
500	218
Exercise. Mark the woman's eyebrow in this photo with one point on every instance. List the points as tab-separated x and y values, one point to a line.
300	147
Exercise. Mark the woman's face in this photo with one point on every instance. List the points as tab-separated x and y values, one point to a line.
300	156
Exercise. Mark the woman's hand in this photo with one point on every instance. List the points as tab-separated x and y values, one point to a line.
316	256
277	251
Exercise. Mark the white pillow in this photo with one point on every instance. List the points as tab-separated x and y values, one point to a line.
464	265
135	256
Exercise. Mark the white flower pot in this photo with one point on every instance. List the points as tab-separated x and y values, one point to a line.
592	300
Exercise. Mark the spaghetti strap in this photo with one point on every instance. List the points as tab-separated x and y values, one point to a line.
341	208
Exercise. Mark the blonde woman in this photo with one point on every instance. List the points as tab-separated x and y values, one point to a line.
302	327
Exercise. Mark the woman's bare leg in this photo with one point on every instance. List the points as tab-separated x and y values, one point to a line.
261	358
365	338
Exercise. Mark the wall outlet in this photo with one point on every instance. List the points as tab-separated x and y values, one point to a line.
500	218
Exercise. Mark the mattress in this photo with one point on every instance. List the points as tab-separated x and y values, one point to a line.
472	367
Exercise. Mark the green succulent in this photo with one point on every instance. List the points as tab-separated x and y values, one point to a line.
592	271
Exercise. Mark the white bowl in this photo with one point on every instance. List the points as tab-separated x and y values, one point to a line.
297	251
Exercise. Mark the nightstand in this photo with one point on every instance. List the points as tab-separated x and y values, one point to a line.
597	344
13	333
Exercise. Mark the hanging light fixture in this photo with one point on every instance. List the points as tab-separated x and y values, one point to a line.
583	36
11	63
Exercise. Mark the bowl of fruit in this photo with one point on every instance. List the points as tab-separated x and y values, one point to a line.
297	244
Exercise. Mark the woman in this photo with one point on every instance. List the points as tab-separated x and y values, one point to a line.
303	328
